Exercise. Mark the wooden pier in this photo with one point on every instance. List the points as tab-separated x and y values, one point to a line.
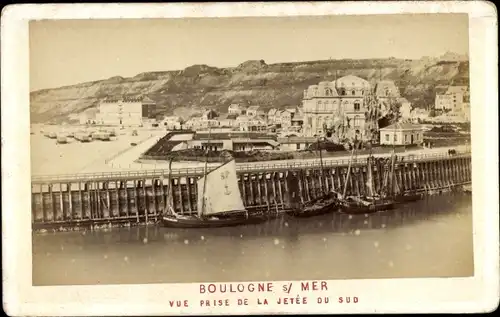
93	200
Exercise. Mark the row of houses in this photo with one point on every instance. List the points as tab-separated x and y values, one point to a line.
399	134
252	118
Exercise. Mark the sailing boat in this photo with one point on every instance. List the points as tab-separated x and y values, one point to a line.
380	202
325	203
397	195
219	202
368	203
394	191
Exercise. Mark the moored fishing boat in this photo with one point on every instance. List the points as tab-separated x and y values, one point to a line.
219	201
408	197
325	203
372	202
393	191
101	135
82	136
61	138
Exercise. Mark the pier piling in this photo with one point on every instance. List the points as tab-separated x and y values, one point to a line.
141	199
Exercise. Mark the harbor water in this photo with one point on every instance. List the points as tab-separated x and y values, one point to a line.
429	238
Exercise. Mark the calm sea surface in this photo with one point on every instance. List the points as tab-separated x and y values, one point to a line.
430	238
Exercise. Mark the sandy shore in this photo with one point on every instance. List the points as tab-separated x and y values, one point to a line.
48	157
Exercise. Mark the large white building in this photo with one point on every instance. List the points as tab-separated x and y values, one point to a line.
338	106
127	111
452	99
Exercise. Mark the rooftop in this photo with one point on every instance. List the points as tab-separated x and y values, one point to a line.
233	135
227	116
386	88
402	126
455	89
124	98
297	139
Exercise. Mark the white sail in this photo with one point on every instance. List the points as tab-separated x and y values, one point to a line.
222	193
169	203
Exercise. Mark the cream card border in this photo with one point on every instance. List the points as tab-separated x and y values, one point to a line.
476	294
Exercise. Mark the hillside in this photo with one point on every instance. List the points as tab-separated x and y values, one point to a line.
252	82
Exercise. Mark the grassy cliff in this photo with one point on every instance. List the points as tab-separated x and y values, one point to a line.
253	82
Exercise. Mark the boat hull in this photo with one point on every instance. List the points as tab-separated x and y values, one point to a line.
195	222
305	213
352	207
408	198
319	207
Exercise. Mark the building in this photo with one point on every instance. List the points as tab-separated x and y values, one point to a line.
402	134
271	115
466	111
418	114
292	110
284	118
386	89
236	109
130	111
405	108
386	94
443	102
336	107
233	141
294	143
209	115
88	116
297	123
194	123
451	99
247	123
171	122
254	111
228	120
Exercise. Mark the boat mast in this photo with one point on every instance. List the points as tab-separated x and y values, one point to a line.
320	155
200	212
170	207
370	175
348	172
392	180
318	143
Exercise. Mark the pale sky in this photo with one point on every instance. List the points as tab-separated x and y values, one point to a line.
67	52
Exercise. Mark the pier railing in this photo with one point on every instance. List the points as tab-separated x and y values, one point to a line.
266	166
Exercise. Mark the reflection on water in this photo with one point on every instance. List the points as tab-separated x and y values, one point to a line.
430	238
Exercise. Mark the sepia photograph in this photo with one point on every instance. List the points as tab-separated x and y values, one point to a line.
240	152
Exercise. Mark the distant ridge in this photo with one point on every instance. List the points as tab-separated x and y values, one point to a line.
252	82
